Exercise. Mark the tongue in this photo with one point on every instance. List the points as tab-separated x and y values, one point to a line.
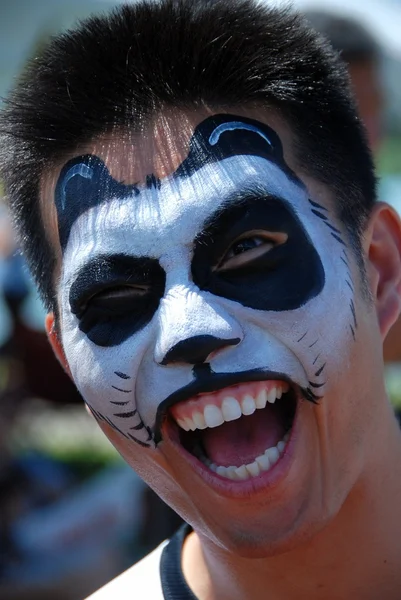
239	442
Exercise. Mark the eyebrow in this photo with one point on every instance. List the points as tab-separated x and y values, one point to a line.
251	191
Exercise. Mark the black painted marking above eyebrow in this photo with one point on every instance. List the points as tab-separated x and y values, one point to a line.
315	342
120	390
222	136
302	337
85	182
353	332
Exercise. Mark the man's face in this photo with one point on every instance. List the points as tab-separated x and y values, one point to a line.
210	315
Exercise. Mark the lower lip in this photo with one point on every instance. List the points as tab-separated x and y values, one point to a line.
244	488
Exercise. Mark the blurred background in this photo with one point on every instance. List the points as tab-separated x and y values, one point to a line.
72	514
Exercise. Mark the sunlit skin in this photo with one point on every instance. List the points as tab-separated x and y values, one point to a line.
328	526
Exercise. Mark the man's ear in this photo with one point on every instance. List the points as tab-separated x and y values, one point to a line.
55	342
382	245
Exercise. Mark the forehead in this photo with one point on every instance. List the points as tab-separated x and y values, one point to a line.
162	144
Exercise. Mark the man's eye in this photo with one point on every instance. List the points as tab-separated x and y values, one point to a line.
113	297
250	247
246	245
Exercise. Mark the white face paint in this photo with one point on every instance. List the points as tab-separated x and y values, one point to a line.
162	252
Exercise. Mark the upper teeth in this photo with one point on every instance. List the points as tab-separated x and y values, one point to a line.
229	409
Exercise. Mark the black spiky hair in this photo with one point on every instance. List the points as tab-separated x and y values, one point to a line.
117	69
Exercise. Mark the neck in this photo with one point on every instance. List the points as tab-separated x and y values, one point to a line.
358	555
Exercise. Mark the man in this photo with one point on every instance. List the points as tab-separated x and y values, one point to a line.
362	55
197	203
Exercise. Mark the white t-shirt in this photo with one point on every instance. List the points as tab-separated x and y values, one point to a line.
158	576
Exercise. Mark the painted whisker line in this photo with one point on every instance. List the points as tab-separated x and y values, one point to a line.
332	227
315	342
100	417
115	427
138	427
316	385
319	214
302	337
344	261
352	306
352	331
320	371
326	221
349	284
126	415
316	359
134	439
337	237
311	396
122	375
120	390
119	403
317	205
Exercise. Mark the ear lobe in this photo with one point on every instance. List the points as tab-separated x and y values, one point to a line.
55	342
382	242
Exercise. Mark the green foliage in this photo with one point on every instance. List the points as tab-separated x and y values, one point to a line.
393	384
389	158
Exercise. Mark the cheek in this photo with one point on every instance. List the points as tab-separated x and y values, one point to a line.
152	467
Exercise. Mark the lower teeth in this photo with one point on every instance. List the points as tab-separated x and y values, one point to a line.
262	463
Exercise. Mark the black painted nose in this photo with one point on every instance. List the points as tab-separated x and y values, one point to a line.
195	350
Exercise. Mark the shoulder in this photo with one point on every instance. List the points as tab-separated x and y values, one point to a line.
143	577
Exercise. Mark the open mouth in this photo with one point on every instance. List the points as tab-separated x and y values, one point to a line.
240	431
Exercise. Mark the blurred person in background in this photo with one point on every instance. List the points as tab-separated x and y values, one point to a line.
362	54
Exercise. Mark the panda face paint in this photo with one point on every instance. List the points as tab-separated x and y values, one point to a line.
222	272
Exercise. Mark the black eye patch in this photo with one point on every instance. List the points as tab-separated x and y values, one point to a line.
114	296
283	278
